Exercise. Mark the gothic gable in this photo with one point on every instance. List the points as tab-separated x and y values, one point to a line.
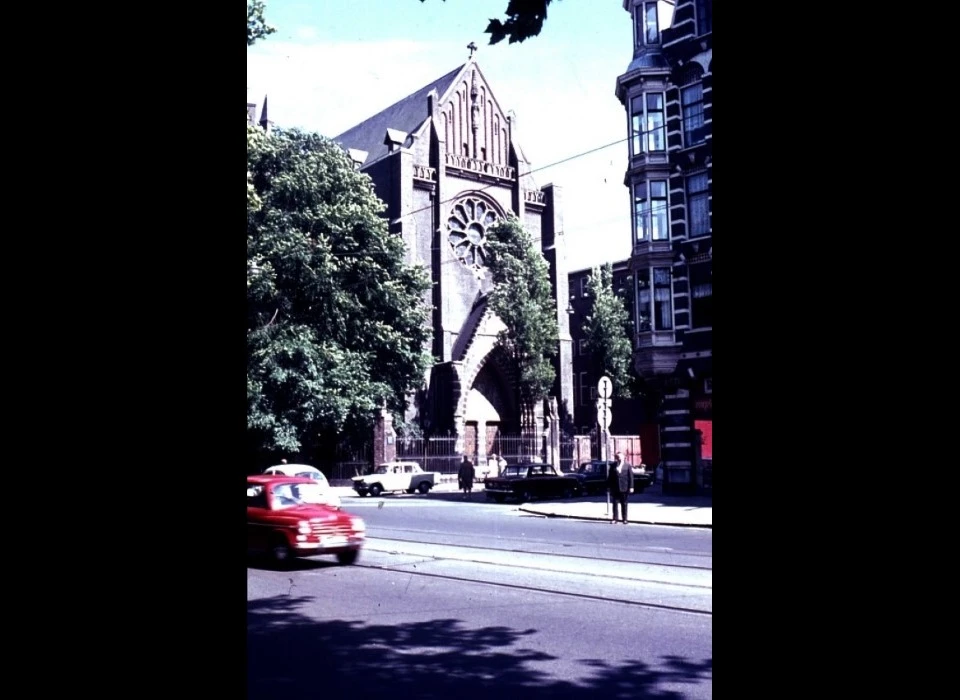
470	122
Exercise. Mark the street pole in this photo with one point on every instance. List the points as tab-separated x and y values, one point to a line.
604	416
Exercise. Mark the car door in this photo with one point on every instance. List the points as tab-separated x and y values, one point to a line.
258	529
540	482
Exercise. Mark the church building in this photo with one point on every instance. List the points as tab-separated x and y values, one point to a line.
445	161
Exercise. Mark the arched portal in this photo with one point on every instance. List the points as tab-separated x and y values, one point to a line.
490	407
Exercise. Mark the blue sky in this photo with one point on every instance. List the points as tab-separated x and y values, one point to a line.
333	63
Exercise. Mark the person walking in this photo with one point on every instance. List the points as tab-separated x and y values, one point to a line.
620	485
465	476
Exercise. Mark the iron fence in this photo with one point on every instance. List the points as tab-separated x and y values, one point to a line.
440	454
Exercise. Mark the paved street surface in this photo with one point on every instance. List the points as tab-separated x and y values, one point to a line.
465	598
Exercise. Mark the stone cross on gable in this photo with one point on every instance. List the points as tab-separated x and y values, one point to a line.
472	47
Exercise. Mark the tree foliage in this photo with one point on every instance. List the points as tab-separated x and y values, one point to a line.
522	298
257	27
525	19
336	326
606	328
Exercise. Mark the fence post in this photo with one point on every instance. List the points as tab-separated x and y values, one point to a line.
384	438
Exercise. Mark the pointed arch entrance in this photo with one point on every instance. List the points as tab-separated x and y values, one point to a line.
489	406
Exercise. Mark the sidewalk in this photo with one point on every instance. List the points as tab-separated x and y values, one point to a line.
649	507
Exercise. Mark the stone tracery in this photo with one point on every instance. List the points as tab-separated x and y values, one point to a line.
469	219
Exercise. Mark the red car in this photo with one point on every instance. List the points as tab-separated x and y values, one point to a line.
286	519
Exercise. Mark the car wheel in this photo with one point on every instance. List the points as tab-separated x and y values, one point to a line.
375	490
280	551
348	557
424	487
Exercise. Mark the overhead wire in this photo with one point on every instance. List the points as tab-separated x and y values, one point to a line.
639	134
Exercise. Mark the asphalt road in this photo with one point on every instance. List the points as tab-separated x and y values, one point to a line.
470	600
445	518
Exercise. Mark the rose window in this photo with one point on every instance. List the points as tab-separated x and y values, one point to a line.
468	224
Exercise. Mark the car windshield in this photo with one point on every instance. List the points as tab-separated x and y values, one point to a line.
514	471
290	495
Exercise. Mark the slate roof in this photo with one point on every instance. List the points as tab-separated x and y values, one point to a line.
406	116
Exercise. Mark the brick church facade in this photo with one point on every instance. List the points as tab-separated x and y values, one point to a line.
445	161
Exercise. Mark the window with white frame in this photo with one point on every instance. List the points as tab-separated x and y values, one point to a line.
648	130
647	29
704	16
584	290
701	295
698	205
655	299
651	210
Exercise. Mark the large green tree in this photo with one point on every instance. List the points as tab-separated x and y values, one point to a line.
525	19
336	325
522	298
606	328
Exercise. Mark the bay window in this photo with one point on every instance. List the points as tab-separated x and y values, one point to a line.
650	210
654	299
647	124
647	25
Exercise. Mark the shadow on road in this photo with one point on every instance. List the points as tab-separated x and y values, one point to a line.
294	657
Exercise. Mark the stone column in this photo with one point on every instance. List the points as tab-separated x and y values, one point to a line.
384	438
552	433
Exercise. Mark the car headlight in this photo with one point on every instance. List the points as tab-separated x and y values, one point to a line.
303	527
358	524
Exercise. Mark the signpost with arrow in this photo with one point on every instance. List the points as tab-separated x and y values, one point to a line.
604	416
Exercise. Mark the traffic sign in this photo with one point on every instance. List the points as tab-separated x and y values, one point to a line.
604	415
605	388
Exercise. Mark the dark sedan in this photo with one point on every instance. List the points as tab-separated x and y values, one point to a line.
592	476
528	482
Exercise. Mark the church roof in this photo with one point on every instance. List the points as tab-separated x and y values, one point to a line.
404	116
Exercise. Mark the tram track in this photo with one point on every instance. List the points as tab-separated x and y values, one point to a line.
655	586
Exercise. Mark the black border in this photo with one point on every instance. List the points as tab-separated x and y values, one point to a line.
157	287
794	344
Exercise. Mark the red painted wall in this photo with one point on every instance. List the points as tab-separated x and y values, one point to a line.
706	428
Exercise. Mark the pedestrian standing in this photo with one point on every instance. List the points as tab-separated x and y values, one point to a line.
620	485
465	476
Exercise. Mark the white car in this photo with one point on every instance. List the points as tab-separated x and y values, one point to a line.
325	493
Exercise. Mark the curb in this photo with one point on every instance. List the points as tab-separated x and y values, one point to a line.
545	514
